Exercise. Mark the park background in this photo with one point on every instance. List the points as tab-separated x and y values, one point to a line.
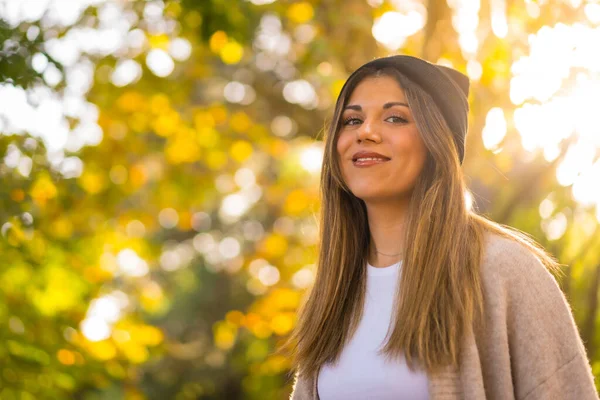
159	170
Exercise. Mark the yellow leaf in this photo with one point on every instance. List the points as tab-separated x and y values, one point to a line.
261	330
284	298
166	124
235	317
138	122
208	137
149	335
118	174
241	150
240	122
63	291
152	297
251	320
225	334
257	350
185	221
62	228
95	275
135	353
257	133
278	148
42	190
217	41
216	160
65	357
14	278
102	350
283	323
336	87
300	12
232	52
182	149
159	41
159	103
174	9
295	202
276	364
219	113
274	245
138	175
131	101
204	119
92	181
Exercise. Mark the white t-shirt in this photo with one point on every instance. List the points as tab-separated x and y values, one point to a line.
362	374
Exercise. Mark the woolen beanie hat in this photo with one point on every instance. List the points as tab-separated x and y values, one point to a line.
448	87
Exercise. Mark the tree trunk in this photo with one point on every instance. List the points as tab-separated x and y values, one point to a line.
438	26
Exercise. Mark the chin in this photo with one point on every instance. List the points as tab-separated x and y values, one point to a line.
368	194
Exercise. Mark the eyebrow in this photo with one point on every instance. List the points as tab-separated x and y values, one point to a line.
356	107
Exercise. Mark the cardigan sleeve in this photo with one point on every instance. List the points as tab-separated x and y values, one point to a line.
548	358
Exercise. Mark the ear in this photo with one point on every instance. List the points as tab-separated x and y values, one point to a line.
459	78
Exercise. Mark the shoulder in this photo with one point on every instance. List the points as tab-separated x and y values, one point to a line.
505	260
525	308
513	275
516	281
502	250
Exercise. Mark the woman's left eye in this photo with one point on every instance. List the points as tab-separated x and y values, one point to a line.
396	118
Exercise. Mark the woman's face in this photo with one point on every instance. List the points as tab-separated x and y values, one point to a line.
377	120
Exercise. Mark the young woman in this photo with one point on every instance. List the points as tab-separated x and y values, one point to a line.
416	296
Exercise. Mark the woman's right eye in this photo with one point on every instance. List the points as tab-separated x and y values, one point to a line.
350	121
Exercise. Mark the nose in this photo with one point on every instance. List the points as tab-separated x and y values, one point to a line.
368	131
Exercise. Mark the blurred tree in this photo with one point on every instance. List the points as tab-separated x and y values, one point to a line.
15	55
162	250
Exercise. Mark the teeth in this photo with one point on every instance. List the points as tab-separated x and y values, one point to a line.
369	159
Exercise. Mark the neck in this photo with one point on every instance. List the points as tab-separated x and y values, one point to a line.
387	227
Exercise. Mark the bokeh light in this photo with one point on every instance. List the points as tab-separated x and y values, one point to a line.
161	163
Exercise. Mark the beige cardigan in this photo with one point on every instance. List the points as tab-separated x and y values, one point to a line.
530	347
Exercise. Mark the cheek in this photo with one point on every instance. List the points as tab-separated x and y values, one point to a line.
411	152
411	142
342	144
417	146
420	152
421	148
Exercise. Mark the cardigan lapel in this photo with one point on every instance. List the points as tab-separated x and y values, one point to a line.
445	384
460	382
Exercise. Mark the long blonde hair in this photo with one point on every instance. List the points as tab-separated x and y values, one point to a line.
439	292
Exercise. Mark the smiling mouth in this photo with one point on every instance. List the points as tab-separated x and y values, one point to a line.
364	161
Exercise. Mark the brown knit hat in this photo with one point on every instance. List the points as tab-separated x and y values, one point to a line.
448	87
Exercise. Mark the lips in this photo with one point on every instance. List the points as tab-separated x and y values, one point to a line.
364	156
